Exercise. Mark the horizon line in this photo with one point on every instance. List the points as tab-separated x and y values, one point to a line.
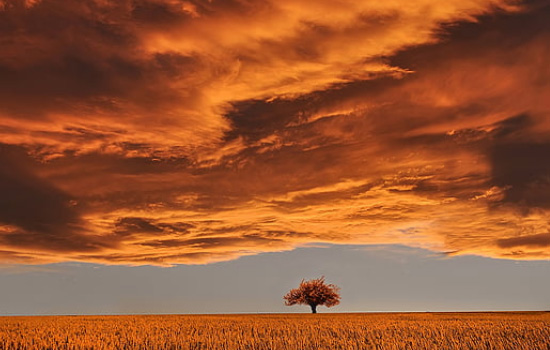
286	313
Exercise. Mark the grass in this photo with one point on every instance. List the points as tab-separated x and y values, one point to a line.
510	330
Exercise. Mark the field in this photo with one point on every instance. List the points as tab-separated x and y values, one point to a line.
529	330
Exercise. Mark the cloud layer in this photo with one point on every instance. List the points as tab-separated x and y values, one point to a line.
167	131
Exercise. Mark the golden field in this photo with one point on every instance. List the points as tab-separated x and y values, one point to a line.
513	330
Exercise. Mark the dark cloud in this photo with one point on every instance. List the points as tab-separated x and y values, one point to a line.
541	240
38	215
55	53
135	225
29	202
489	33
524	169
208	243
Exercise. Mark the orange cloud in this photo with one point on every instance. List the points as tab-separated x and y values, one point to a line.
165	132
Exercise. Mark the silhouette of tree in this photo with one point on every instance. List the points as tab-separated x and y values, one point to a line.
314	292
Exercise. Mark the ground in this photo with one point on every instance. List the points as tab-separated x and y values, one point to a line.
502	330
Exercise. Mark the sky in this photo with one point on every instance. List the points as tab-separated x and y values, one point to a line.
372	278
148	140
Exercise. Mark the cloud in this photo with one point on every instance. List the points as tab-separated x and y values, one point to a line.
541	240
157	77
165	132
28	201
36	217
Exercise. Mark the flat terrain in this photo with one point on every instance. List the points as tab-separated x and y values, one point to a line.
513	330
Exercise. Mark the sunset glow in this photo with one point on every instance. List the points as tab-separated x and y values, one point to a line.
163	132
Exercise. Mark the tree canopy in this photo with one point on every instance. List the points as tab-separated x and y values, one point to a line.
313	293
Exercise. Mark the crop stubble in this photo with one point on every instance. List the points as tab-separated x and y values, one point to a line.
280	331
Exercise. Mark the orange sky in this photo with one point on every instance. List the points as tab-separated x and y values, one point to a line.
185	132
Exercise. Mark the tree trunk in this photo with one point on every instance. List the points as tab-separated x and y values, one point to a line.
313	308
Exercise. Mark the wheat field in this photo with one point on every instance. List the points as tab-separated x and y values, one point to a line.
514	330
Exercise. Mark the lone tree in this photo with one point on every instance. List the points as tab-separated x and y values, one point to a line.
313	293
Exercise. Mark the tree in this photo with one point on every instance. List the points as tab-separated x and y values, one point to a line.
314	292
